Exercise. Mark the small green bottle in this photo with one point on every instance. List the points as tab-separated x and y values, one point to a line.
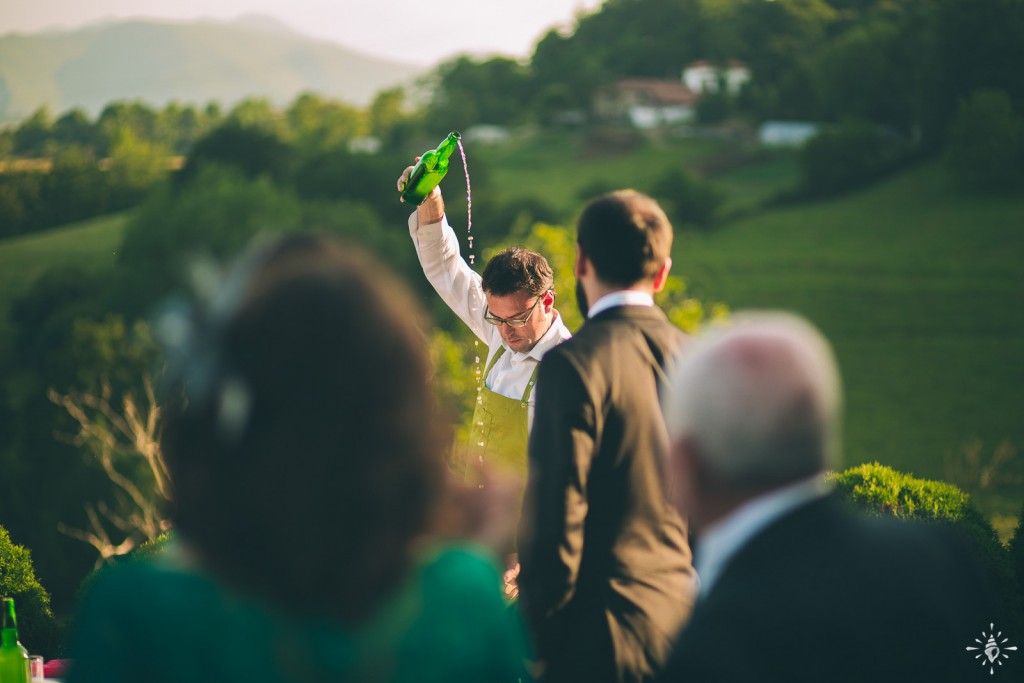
13	657
429	171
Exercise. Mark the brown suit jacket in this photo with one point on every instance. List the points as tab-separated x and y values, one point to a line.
606	568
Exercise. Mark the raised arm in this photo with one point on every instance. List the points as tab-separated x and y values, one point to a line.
437	249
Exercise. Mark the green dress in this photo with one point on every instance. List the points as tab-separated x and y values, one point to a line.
152	621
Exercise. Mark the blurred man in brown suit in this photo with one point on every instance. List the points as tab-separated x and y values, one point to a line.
604	555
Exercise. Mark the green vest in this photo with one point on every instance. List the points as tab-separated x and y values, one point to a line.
498	436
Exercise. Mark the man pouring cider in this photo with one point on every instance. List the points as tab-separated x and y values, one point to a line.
510	308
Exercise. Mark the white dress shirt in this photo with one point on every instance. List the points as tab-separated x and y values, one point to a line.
723	539
623	297
459	286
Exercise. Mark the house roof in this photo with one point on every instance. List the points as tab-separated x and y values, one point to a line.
658	91
731	64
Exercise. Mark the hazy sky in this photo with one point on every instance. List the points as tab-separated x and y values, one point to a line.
420	31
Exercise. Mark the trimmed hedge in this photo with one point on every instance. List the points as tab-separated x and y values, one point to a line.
884	491
850	156
37	629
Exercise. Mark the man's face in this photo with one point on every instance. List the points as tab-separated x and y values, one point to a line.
536	311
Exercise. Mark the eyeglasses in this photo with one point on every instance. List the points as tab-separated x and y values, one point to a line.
515	321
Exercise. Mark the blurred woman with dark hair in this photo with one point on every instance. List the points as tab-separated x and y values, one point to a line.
306	456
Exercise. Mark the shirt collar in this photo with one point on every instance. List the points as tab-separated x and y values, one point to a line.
722	540
556	333
623	297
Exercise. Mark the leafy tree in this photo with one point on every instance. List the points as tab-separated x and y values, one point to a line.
6	143
135	165
251	149
317	124
16	205
386	110
216	213
342	175
74	128
36	625
848	157
32	136
977	44
986	143
470	91
179	126
126	120
714	107
391	118
689	200
43	321
257	112
76	188
44	318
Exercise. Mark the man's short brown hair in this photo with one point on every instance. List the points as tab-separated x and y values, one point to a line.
626	235
517	270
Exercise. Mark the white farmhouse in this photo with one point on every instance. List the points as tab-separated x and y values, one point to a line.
646	102
703	76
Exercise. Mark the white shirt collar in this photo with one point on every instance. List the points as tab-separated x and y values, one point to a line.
556	333
623	297
722	540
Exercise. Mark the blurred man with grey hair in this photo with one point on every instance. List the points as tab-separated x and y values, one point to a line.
794	585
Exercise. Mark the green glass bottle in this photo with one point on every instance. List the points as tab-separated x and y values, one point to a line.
429	171
13	657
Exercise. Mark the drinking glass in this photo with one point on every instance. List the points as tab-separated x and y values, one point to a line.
35	667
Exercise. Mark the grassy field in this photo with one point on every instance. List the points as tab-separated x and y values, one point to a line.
559	169
920	289
90	244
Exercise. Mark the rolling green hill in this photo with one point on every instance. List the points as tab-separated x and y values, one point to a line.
921	291
919	288
189	61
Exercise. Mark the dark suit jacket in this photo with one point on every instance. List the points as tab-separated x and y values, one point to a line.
604	555
826	594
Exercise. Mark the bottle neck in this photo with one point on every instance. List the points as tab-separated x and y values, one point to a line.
9	637
447	148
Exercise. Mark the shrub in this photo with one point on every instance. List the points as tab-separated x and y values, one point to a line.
882	490
152	547
688	200
848	157
37	629
1017	560
986	143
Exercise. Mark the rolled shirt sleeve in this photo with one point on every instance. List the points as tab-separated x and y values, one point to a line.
437	248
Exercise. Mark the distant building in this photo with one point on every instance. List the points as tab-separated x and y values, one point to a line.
787	133
703	76
646	102
485	134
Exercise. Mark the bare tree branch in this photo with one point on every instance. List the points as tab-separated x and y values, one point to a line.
113	436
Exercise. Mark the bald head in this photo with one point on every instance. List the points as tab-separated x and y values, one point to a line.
754	405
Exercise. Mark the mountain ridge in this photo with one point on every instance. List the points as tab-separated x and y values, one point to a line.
196	61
